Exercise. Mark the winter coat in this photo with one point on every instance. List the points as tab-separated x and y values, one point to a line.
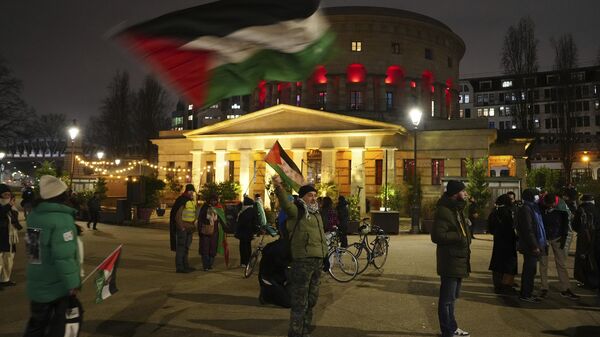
527	229
93	205
247	223
451	234
504	251
305	230
57	270
556	223
587	226
9	227
179	203
343	216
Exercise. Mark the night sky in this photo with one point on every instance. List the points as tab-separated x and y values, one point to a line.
60	49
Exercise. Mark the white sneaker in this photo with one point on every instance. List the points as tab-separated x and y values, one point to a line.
460	332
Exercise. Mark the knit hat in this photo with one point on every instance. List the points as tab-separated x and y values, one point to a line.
51	187
190	187
4	188
454	186
248	201
587	197
305	189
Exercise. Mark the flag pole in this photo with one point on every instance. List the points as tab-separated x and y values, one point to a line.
98	266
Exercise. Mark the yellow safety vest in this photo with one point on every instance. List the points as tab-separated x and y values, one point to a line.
189	212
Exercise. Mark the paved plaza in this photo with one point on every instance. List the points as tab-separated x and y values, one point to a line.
400	301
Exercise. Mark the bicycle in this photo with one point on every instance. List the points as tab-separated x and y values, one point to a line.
254	257
375	252
343	265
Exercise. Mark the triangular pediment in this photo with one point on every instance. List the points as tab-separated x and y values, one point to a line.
291	119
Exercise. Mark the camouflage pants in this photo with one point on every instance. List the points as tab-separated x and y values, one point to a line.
304	283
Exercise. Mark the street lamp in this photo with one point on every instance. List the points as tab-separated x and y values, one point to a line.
100	155
415	117
117	162
73	132
2	155
586	159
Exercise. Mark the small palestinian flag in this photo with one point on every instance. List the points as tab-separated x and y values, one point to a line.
278	159
106	276
225	48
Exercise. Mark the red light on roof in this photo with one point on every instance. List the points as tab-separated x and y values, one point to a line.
262	91
394	74
356	73
432	89
413	84
320	75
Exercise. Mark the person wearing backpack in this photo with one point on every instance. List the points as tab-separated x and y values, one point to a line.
587	225
308	249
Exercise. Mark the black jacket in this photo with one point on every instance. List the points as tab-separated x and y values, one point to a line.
526	230
504	251
247	223
453	240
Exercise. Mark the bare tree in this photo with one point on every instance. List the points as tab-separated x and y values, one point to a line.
565	60
149	114
15	113
113	129
519	59
51	126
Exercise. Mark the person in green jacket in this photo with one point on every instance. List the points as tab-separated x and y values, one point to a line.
308	248
451	234
53	270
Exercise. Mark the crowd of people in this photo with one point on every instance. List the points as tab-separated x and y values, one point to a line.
540	224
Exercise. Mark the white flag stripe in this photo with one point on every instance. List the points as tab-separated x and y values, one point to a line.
242	44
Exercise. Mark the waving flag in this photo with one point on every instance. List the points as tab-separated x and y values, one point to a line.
106	276
278	159
225	48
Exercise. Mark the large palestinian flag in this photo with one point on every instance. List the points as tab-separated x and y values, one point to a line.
226	48
279	160
106	276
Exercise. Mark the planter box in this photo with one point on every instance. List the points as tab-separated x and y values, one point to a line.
388	221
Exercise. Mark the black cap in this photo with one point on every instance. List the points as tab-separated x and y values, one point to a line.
190	187
454	186
305	189
4	188
248	201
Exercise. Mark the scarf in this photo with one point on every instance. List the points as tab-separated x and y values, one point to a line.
310	209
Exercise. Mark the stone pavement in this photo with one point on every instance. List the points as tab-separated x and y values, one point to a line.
400	301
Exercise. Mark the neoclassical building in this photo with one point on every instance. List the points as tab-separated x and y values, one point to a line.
348	122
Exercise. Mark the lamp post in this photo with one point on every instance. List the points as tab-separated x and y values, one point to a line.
117	162
73	132
100	155
2	155
415	117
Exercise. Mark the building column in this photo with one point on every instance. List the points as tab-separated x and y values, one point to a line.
391	165
357	174
328	165
220	166
196	168
245	159
299	158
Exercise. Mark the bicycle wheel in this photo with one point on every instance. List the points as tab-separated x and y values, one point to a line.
343	265
251	264
361	254
380	252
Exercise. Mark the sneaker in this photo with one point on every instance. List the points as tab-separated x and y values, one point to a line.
530	299
460	332
569	294
543	293
242	265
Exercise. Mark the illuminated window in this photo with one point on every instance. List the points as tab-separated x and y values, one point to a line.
190	107
389	100
432	108
210	172
190	117
378	171
492	112
507	84
232	116
214	106
467	99
396	48
437	171
231	170
322	100
357	46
